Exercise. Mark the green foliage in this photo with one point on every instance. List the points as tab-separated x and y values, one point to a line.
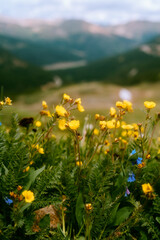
116	70
80	186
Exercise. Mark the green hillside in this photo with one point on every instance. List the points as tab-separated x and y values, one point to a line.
125	69
18	77
75	47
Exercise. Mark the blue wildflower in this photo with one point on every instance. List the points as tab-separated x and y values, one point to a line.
139	160
0	124
8	201
131	177
127	192
133	152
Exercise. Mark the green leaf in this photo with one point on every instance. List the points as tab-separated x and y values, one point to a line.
158	219
5	169
45	222
24	207
32	176
113	213
143	236
79	209
122	215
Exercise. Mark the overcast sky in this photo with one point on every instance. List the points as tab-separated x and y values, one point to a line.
96	11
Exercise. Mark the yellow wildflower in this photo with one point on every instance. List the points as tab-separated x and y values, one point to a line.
147	188
61	111
103	124
20	198
26	169
128	105
96	132
106	151
121	104
38	123
8	101
148	156
106	142
88	206
79	163
97	116
127	126
141	165
78	101
61	124
135	134
110	124
124	141
158	151
19	188
31	162
11	194
112	111
44	105
1	103
124	133
149	105
66	97
74	124
80	108
45	113
135	126
41	150
28	195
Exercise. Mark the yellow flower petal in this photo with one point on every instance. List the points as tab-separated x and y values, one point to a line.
149	105
38	123
61	111
28	195
44	105
66	97
61	124
74	124
80	107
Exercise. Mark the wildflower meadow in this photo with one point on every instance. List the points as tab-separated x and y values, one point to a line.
61	178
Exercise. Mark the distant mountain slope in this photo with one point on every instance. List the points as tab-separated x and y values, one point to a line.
49	42
76	47
49	30
141	31
17	76
126	69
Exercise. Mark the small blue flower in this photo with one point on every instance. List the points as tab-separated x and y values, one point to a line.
139	160
0	124
127	192
8	201
133	152
131	177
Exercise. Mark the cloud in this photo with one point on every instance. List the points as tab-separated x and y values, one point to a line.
98	11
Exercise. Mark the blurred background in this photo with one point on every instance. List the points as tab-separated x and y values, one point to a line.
101	51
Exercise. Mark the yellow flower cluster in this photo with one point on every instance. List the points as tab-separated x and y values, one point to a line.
88	206
7	101
109	124
126	105
39	149
149	105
